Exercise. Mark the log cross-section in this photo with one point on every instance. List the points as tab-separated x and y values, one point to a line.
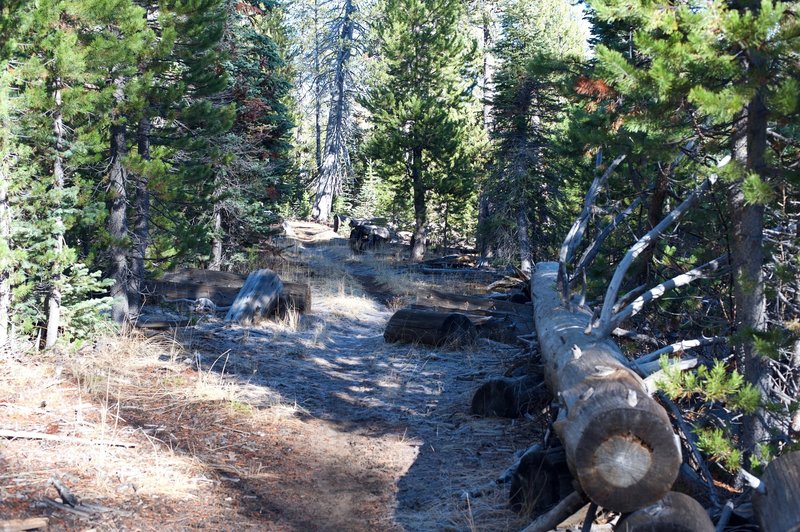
449	329
619	442
257	298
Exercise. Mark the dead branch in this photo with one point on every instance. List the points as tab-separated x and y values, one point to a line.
19	525
16	434
678	347
549	521
658	291
604	327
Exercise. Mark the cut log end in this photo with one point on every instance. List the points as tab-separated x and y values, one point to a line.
777	509
676	512
627	459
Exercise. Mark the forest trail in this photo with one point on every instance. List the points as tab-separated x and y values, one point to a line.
312	422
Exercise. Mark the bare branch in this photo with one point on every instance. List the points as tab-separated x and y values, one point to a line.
657	291
594	248
678	347
575	234
605	328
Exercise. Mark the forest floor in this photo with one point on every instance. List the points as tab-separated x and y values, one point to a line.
309	422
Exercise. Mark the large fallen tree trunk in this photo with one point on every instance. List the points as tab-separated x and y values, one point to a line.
777	508
430	328
619	442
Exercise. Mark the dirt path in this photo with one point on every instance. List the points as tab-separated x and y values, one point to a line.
312	423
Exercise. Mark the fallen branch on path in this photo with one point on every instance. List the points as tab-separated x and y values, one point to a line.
25	435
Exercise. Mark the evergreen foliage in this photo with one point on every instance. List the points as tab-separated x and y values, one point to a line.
426	134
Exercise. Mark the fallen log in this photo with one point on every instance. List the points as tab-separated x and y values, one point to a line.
19	525
258	297
541	480
496	325
619	442
366	235
676	512
777	507
430	328
435	298
508	397
221	288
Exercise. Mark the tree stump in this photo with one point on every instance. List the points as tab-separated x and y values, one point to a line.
430	328
777	509
676	512
257	298
619	442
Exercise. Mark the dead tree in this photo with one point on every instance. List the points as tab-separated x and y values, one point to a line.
619	442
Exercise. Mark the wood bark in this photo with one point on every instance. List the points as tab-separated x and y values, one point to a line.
676	512
117	218
549	521
777	509
541	480
418	240
5	240
141	227
436	298
54	298
258	297
747	253
509	397
336	159
222	288
430	328
619	442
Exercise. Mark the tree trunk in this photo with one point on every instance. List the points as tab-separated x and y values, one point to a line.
54	298
117	218
523	237
484	237
5	250
317	94
420	214
777	508
676	512
430	328
258	297
619	442
747	258
141	228
216	241
336	158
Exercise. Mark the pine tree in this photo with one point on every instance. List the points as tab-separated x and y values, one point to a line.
425	125
539	42
722	72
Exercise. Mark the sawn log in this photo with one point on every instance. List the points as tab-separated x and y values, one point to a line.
619	442
777	508
430	328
